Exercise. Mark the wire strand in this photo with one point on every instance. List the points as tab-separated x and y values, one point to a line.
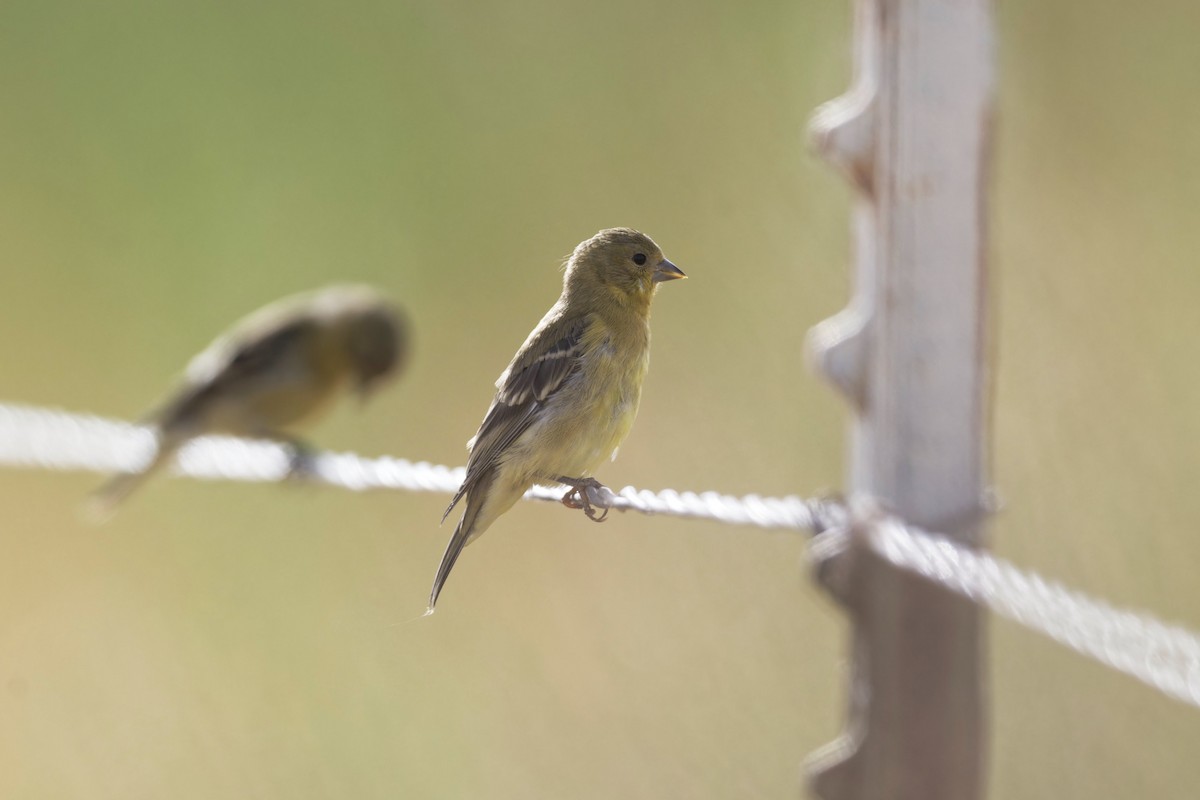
1166	657
1163	656
40	438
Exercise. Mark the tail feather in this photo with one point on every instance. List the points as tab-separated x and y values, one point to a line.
102	504
457	496
457	542
469	527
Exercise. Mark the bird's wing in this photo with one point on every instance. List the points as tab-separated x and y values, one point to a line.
540	368
229	363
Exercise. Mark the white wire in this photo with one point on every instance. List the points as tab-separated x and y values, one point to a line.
1163	656
41	438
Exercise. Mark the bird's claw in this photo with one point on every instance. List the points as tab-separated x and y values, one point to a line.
302	462
577	497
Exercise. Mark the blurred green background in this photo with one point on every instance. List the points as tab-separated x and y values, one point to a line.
166	168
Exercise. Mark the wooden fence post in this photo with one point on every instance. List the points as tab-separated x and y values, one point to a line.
910	354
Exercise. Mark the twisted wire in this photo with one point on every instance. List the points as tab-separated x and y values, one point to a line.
40	438
1166	657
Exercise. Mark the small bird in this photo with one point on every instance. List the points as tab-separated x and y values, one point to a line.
278	368
569	397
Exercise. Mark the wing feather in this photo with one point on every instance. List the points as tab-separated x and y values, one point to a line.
543	365
225	365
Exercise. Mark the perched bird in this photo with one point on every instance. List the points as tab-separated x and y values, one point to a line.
278	368
570	395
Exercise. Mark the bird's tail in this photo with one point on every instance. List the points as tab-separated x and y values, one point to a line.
102	504
474	522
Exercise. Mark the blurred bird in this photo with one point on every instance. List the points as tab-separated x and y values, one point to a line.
279	368
570	395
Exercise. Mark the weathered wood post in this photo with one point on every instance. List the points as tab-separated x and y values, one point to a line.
910	355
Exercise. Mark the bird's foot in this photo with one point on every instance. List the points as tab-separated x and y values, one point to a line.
302	461
577	496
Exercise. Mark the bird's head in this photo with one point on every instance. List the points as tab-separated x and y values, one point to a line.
378	346
624	262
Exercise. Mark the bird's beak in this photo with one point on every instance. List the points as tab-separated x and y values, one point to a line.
666	271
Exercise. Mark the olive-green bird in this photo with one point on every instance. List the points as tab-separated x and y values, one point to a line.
570	395
279	368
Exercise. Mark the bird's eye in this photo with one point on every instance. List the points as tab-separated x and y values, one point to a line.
639	259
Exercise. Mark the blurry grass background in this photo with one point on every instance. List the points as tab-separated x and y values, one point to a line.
166	168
